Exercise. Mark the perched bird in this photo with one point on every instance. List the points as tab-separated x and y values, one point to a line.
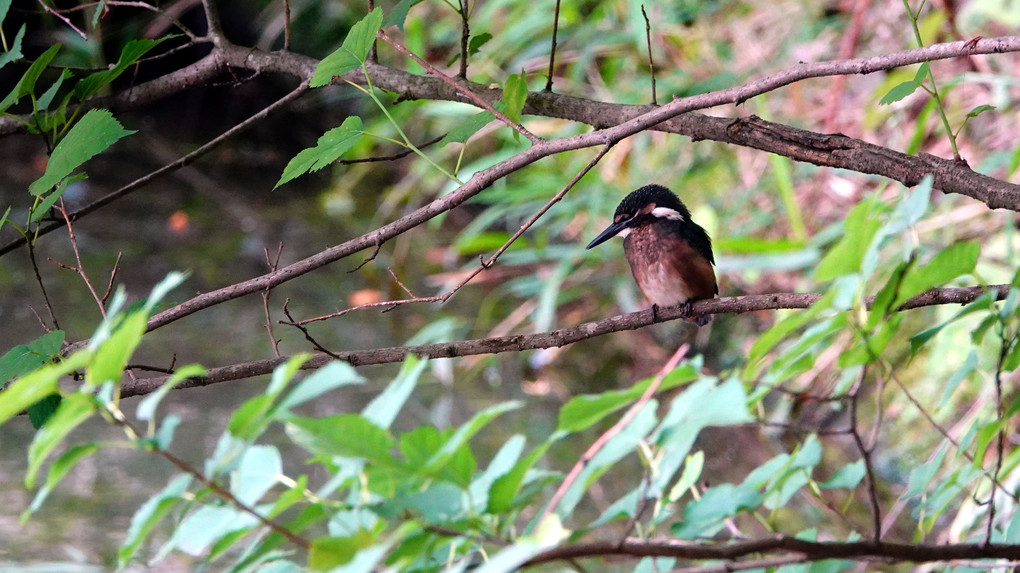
670	255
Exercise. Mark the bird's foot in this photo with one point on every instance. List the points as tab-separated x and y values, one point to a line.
655	312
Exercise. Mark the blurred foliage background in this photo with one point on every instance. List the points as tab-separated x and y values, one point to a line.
772	221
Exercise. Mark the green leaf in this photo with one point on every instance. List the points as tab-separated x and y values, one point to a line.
702	518
477	41
41	411
147	406
26	85
58	469
36	385
959	259
3	220
203	527
92	83
515	94
397	16
329	552
504	490
846	477
24	358
353	53
331	376
693	466
469	429
257	472
904	89
779	331
984	302
40	210
348	435
333	144
467	127
14	54
96	131
980	110
846	256
108	361
73	410
581	412
382	410
502	463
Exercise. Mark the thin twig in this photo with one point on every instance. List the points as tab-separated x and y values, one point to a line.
273	265
42	287
1004	348
876	508
651	63
304	331
113	277
552	52
616	428
80	269
457	86
482	266
64	19
286	26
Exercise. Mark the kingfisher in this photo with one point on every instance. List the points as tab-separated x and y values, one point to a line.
670	255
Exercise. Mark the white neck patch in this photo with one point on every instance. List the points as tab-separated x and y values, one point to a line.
667	213
623	234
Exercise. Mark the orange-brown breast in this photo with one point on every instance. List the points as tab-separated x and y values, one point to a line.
666	268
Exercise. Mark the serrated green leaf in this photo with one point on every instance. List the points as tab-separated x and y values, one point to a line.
26	85
73	410
353	53
980	110
467	127
330	147
96	131
14	54
92	83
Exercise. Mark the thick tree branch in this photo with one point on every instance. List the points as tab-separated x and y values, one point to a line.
556	338
811	550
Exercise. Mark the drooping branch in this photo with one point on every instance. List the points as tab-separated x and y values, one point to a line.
556	338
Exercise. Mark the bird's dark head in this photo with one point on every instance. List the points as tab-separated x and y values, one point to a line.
642	207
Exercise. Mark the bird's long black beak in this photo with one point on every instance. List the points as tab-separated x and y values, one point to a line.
609	233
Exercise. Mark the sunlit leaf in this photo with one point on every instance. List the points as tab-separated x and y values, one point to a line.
347	435
980	110
333	144
331	376
58	469
36	385
258	470
846	477
329	552
383	409
95	131
354	51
